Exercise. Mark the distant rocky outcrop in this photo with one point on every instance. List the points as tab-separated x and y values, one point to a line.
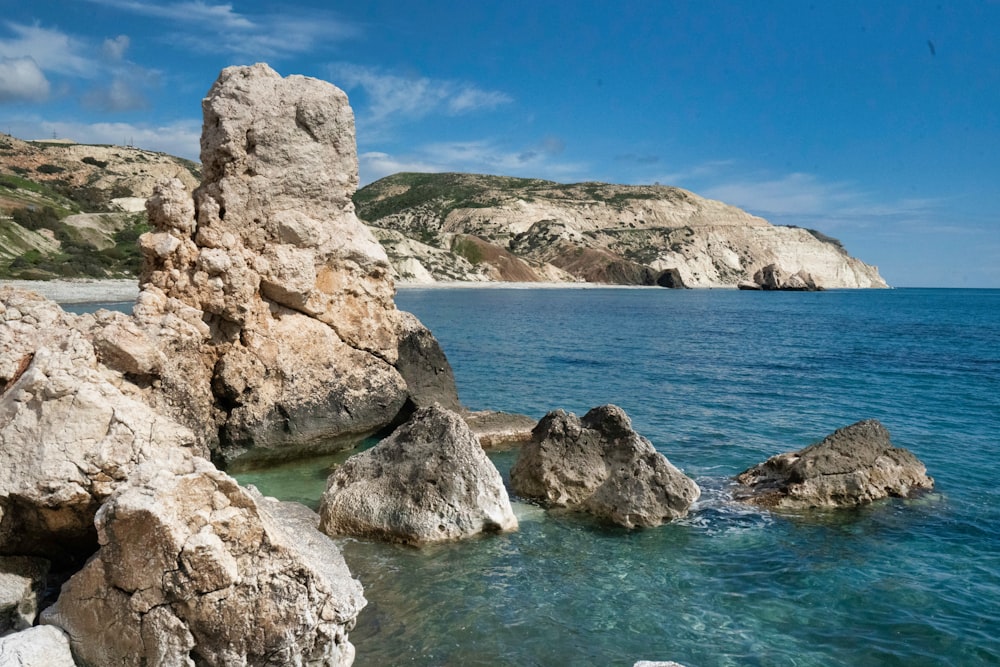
772	278
442	227
193	569
600	465
430	481
852	466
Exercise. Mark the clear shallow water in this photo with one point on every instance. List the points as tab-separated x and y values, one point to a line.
717	380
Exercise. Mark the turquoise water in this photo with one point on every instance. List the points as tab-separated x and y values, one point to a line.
718	381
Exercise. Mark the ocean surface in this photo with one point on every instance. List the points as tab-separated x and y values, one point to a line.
718	381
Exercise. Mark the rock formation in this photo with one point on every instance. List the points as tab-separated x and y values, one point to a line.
71	430
599	465
500	430
193	569
274	304
40	646
500	228
428	482
22	582
852	466
772	278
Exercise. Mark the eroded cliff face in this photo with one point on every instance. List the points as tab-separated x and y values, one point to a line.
589	231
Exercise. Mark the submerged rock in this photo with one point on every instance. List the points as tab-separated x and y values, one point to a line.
194	569
852	466
599	465
429	481
500	430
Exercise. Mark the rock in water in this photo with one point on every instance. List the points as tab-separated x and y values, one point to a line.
852	466
429	481
193	569
599	465
304	348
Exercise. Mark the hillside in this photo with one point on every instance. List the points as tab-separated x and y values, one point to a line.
71	210
479	228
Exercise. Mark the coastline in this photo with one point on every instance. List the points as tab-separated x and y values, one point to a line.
83	290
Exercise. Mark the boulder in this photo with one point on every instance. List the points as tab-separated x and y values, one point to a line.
40	646
773	278
193	569
22	583
271	302
599	465
429	481
71	430
852	466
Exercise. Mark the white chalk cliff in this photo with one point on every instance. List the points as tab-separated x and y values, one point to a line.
499	228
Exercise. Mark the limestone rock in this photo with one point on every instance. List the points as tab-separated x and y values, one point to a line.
590	231
599	465
852	466
428	482
22	582
40	646
500	430
773	278
302	343
71	430
194	569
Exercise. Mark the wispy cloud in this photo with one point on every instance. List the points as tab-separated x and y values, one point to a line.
481	156
390	97
22	80
52	50
218	27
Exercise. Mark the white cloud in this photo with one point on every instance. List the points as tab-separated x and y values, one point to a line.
120	95
213	28
52	50
181	138
114	49
22	80
391	96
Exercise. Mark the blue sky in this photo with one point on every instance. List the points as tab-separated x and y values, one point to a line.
874	122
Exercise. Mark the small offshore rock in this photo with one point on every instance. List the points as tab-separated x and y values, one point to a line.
852	466
40	646
599	465
429	481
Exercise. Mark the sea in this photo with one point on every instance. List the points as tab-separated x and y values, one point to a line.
717	380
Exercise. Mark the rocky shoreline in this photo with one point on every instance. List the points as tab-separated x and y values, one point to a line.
264	329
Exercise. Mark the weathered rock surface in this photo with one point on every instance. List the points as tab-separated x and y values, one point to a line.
588	231
500	430
773	278
429	481
272	303
852	466
193	569
22	582
599	465
71	430
40	646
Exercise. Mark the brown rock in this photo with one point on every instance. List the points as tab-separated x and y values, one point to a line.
852	466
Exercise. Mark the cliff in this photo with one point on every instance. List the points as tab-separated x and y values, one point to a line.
473	227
